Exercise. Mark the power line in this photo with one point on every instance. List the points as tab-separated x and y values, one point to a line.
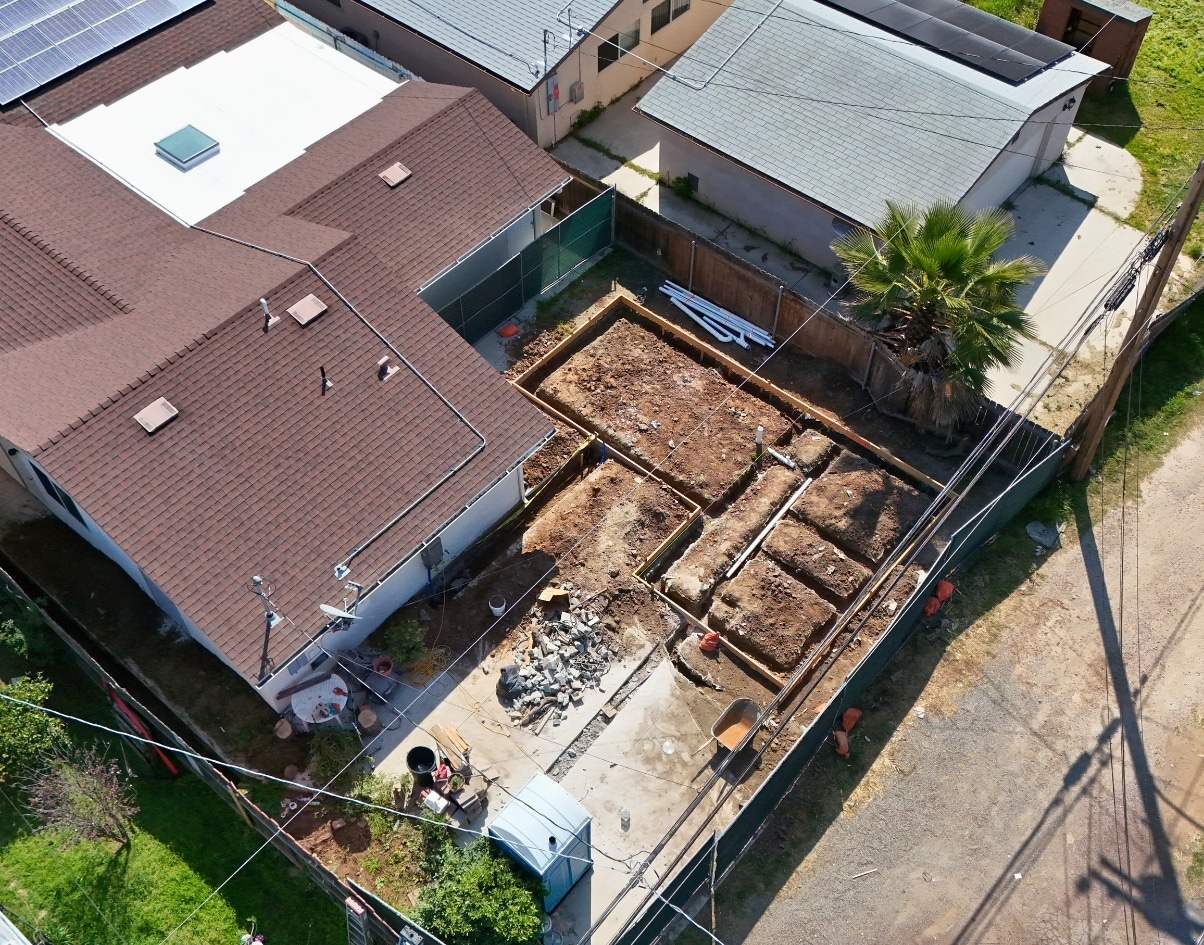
253	773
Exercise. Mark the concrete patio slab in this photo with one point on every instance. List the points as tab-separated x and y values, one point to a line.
1082	249
1102	169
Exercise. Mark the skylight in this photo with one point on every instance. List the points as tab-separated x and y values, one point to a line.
187	148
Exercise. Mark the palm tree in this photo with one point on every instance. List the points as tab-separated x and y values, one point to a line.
932	290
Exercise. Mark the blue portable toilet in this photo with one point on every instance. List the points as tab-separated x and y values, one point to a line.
547	832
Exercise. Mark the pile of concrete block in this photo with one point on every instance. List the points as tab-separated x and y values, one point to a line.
567	655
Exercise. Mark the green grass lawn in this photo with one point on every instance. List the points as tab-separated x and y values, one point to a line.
1166	91
186	841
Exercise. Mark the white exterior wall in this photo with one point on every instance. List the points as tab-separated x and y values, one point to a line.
530	111
408	579
751	199
377	604
1036	147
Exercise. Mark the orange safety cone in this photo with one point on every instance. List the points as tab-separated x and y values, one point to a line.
842	744
944	590
849	719
931	606
710	641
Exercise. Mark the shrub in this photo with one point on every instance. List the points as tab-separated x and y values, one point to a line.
404	640
479	897
22	631
26	734
332	755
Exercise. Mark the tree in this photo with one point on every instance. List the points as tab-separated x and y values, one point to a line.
79	791
26	734
478	897
937	296
22	631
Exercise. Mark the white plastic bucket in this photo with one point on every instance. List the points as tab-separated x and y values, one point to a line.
497	605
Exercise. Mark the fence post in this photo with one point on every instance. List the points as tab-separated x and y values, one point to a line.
614	212
777	310
690	283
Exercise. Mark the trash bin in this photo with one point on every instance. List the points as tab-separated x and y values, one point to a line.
421	762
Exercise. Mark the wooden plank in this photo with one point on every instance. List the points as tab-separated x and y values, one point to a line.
449	748
459	742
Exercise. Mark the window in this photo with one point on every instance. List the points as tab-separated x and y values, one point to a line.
667	10
660	16
59	496
613	48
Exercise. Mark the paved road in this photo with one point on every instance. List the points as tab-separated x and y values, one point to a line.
1052	791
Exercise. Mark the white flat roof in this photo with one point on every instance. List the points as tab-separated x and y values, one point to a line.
264	102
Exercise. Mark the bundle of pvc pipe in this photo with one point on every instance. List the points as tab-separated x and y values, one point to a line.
719	322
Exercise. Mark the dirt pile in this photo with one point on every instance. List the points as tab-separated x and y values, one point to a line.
647	397
860	506
810	450
551	456
769	614
692	578
802	552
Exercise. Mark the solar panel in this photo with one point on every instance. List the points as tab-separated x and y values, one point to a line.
971	36
41	40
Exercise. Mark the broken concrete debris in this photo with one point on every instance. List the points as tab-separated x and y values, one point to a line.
567	656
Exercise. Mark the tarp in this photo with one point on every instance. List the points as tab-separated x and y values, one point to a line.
546	831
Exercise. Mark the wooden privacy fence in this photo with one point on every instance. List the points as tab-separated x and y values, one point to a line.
734	283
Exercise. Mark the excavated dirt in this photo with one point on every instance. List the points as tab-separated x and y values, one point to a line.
720	673
600	528
550	457
810	450
646	397
692	578
769	614
860	506
802	552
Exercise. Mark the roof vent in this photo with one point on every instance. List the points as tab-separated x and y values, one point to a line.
156	414
395	174
385	369
187	148
307	309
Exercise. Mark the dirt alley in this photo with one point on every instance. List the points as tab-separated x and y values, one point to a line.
999	816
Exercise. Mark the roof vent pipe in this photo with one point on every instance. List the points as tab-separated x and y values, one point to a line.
385	370
268	318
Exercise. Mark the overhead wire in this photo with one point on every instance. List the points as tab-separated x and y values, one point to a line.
74	881
1052	375
247	771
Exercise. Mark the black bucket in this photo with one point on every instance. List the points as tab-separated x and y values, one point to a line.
421	762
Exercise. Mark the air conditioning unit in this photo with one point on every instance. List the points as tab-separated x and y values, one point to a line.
577	92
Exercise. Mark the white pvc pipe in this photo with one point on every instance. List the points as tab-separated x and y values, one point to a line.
720	315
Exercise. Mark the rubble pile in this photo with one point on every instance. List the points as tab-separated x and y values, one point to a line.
566	657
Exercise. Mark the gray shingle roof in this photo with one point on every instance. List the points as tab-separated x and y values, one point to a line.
843	113
504	37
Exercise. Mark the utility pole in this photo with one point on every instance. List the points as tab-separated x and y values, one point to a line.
1130	350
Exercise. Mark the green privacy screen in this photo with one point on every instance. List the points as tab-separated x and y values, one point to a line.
541	264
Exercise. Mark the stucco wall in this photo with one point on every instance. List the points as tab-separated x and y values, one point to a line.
751	199
530	112
1036	147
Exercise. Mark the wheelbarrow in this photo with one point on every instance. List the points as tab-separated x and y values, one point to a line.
735	722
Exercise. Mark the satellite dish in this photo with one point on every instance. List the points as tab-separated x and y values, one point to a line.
336	613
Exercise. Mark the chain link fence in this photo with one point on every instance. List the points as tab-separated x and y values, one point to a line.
538	266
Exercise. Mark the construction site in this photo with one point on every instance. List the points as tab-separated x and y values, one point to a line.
678	618
718	550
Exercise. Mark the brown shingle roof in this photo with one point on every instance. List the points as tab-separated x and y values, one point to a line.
198	34
260	472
